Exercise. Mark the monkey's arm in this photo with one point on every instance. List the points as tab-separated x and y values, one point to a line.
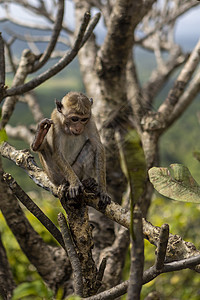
75	186
42	130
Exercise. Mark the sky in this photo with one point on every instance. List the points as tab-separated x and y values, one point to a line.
188	28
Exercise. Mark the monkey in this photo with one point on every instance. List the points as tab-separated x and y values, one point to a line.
69	145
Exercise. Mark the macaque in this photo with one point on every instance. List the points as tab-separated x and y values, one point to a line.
69	145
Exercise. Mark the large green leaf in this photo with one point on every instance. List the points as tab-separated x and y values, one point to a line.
175	182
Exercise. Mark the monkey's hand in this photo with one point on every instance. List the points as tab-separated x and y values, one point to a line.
42	130
104	200
75	189
45	124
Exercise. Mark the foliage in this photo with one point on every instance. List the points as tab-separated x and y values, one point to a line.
21	267
32	290
175	182
184	221
3	135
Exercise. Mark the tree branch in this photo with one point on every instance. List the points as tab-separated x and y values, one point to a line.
177	249
162	247
2	63
185	100
174	95
30	241
137	256
25	65
148	275
63	62
25	160
7	283
54	37
20	132
33	208
73	257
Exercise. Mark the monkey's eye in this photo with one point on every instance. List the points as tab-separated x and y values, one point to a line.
75	119
84	120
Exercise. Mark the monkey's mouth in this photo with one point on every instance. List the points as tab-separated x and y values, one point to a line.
75	133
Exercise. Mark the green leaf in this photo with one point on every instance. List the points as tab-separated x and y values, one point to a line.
176	183
3	136
28	289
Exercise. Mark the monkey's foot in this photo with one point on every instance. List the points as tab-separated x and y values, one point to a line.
104	200
90	188
62	191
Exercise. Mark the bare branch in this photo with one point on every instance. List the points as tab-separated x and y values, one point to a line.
91	27
162	247
54	37
161	74
33	208
30	241
163	18
63	62
2	63
30	99
148	275
25	160
173	97
73	257
115	256
36	38
20	132
7	284
137	256
10	56
101	269
190	262
23	70
186	99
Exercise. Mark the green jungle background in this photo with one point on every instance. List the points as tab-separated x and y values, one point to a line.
176	146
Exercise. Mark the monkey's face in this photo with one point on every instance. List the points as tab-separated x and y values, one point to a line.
75	124
74	113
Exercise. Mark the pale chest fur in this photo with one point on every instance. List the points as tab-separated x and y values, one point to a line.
71	146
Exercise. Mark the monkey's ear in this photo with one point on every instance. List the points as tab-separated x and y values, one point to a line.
59	105
91	100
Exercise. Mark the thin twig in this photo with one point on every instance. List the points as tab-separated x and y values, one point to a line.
121	288
190	93
54	37
162	247
174	94
91	27
101	269
2	63
73	257
62	63
33	208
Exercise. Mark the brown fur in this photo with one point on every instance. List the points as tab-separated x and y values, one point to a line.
67	156
77	102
